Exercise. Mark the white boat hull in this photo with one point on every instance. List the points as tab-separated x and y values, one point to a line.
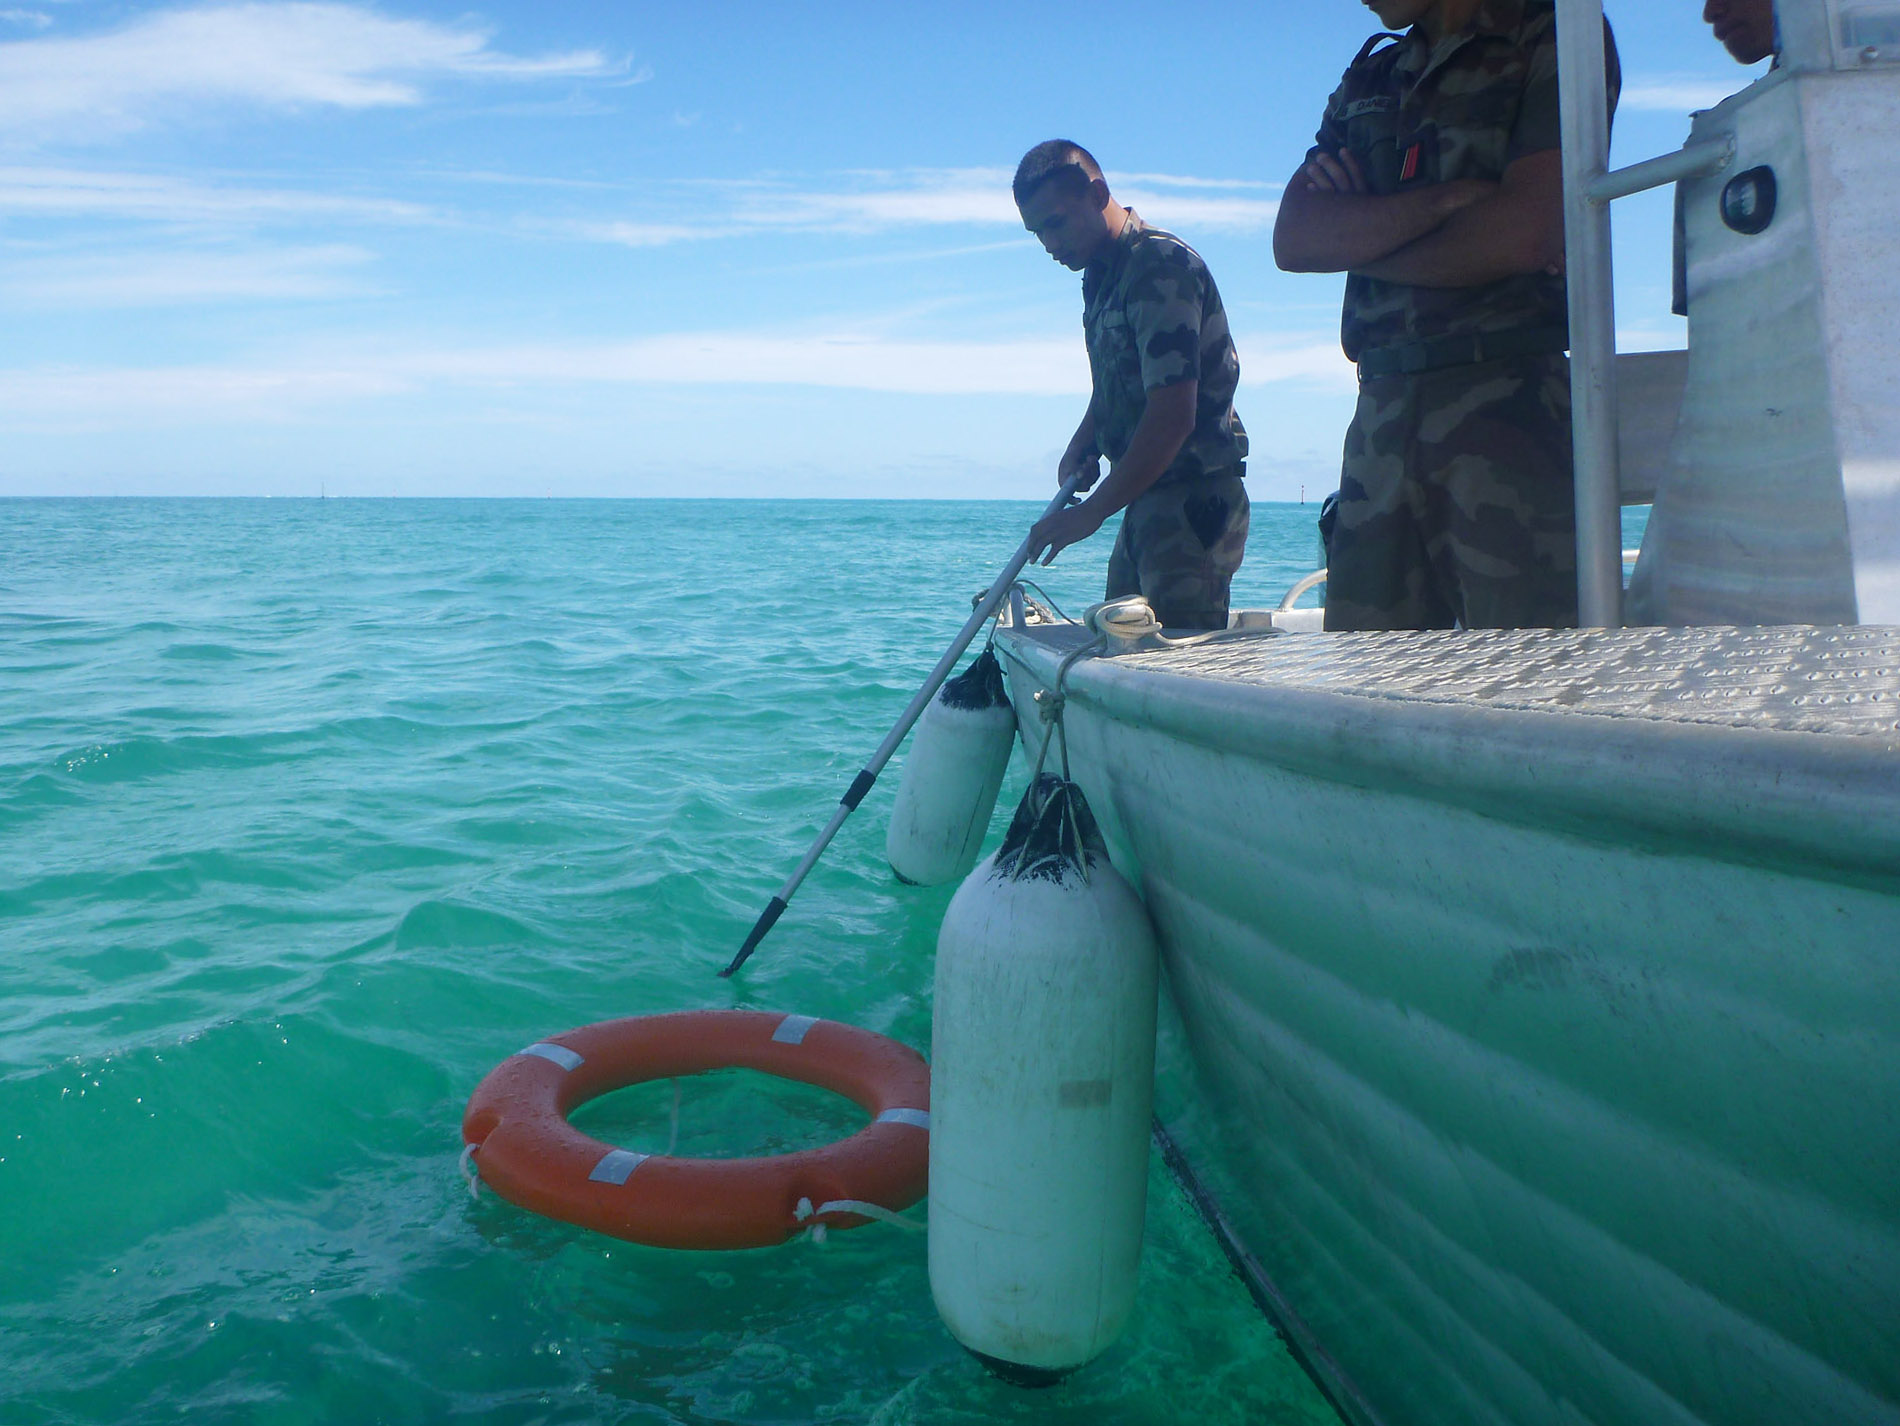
1547	1062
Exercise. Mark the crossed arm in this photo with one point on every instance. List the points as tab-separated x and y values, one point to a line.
1459	234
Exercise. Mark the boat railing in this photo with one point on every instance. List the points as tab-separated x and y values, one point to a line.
1589	187
1311	581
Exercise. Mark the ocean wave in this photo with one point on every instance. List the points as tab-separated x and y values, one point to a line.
310	816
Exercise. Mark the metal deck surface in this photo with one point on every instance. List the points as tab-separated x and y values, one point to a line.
1799	679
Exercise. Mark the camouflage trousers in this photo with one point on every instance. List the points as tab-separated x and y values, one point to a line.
1455	502
1179	547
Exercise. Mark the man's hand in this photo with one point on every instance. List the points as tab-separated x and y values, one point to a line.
1324	174
1166	423
1084	467
1056	532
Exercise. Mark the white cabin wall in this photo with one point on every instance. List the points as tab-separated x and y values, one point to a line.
1851	122
1749	525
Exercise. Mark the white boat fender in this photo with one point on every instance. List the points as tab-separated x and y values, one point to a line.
1042	1087
951	777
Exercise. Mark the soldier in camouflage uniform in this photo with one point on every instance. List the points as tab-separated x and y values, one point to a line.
1436	184
1162	409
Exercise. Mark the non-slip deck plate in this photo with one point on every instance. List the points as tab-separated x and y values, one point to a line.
1798	679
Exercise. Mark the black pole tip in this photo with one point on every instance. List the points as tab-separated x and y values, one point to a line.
774	909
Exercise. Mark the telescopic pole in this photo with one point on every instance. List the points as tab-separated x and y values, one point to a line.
861	784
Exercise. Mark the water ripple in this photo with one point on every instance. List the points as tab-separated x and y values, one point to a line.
311	812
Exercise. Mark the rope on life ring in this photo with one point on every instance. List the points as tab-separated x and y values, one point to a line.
517	1132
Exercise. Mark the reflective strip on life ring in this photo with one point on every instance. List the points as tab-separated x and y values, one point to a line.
516	1126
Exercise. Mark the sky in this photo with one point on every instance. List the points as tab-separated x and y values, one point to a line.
611	248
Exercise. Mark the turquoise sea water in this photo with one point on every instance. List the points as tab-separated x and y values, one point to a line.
311	812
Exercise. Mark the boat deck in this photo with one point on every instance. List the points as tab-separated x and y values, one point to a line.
1792	679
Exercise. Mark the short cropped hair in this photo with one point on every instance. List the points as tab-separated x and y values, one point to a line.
1059	159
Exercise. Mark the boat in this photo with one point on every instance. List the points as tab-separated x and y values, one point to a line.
1532	998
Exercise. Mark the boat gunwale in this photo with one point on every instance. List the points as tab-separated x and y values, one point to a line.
1829	801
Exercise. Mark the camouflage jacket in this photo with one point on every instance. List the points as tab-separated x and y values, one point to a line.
1415	113
1152	316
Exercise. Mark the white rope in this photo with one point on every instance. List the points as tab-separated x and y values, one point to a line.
804	1212
1123	620
467	1165
1122	624
1126	622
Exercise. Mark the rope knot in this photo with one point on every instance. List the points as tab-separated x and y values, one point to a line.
804	1213
1124	622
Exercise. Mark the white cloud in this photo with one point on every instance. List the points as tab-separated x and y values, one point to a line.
130	398
1174	180
78	193
867	203
1034	366
691	212
1677	93
29	19
1314	359
147	279
527	180
119	398
982	196
272	56
1022	243
627	234
681	212
1190	215
717	210
108	398
880	201
572	106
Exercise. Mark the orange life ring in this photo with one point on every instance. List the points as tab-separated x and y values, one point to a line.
517	1131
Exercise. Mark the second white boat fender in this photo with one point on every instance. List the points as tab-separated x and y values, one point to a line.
951	777
1042	1086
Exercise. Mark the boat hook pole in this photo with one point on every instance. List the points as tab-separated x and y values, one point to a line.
861	784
